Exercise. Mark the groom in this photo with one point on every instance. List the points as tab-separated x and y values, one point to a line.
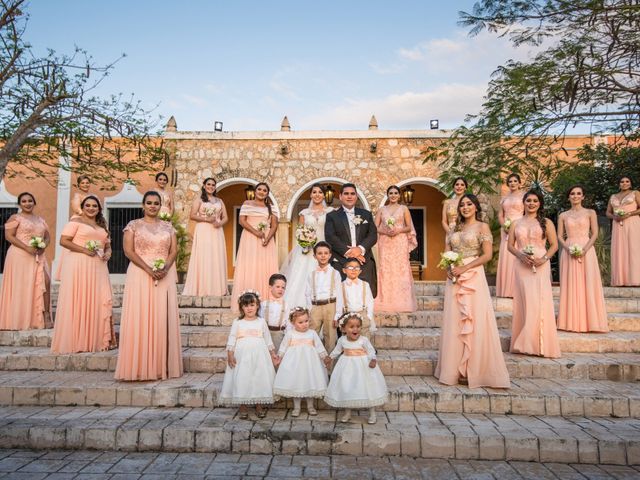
352	233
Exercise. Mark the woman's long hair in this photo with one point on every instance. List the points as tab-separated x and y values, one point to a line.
204	196
267	200
100	220
460	220
540	214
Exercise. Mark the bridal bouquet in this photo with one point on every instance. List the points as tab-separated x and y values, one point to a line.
619	213
576	252
450	259
530	250
94	246
306	237
507	225
165	216
37	242
158	264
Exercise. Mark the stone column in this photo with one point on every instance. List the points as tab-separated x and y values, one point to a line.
64	200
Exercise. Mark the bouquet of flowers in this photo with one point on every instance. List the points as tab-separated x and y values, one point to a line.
165	216
306	237
158	264
37	242
262	227
450	259
94	246
619	213
507	225
530	250
576	252
209	211
391	222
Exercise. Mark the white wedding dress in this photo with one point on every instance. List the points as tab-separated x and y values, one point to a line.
298	265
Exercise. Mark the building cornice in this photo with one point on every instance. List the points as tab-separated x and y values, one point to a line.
306	135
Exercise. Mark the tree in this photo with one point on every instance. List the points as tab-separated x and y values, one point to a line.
586	73
48	110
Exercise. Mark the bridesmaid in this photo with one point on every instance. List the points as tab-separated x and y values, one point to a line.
299	265
83	318
207	274
470	350
162	180
396	239
450	206
150	326
512	209
25	294
625	235
533	327
582	305
84	184
257	257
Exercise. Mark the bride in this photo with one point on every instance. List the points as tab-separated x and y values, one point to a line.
298	264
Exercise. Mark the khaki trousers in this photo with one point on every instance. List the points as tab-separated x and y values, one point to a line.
322	319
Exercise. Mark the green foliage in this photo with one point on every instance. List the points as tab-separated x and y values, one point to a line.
598	170
602	247
182	237
496	231
586	72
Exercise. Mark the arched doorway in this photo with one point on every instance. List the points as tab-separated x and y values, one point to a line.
426	213
233	192
301	199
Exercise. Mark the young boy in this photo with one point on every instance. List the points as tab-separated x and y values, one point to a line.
356	297
275	310
322	292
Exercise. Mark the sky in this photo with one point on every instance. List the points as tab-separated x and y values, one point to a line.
327	65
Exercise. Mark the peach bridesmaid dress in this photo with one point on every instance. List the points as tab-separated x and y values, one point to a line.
469	343
395	279
582	305
83	316
76	211
22	304
533	327
166	198
150	326
254	263
207	274
513	210
625	245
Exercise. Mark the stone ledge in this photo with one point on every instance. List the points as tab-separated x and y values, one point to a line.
426	435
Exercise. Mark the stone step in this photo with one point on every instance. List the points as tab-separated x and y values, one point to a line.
427	435
593	398
389	338
578	366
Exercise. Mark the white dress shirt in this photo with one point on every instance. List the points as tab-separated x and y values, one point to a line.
323	285
278	313
353	300
351	215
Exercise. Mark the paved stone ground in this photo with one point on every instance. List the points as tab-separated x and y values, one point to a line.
78	465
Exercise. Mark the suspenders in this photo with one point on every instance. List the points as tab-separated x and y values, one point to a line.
331	288
345	307
268	310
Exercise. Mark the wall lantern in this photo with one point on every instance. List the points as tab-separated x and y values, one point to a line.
284	148
373	147
328	194
407	195
250	193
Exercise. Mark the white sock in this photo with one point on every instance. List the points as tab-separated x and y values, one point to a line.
296	403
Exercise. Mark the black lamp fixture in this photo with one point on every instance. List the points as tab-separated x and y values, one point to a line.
434	124
329	193
250	193
217	126
407	195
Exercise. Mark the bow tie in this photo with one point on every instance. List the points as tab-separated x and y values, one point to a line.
352	282
276	300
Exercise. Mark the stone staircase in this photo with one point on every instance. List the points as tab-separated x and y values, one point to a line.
581	408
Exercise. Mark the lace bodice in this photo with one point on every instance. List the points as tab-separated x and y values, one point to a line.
316	220
151	240
82	233
395	212
28	226
529	232
469	242
452	210
166	200
512	206
577	226
628	203
215	205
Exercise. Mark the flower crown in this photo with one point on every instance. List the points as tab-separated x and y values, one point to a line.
252	292
301	310
343	319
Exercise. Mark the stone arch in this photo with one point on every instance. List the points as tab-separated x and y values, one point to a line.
243	181
306	186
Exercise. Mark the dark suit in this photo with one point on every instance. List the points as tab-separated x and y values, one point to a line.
338	235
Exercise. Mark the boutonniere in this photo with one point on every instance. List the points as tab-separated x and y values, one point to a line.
358	220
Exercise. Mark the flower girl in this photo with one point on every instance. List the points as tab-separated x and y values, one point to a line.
301	372
356	381
248	378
